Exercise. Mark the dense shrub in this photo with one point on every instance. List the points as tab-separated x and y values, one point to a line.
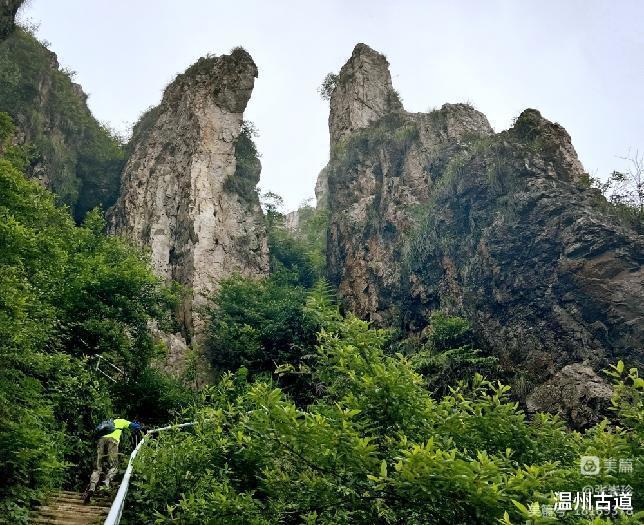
259	324
67	295
300	252
374	447
265	323
445	353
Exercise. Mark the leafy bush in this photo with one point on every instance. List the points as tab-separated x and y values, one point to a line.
67	294
259	324
264	324
299	254
444	353
248	165
374	447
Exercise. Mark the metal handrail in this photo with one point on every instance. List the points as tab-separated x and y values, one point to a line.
116	510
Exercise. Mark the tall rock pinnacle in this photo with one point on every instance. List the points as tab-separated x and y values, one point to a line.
363	93
188	188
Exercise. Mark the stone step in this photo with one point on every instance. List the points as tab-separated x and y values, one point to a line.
78	520
53	511
100	496
96	500
67	508
84	509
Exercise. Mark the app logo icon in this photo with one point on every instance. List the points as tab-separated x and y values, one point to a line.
589	465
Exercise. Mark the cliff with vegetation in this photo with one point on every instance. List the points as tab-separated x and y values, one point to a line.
474	258
435	211
8	10
72	154
188	188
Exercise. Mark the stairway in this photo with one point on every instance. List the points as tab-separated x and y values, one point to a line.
67	508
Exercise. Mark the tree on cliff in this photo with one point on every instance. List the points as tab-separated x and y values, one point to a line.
625	189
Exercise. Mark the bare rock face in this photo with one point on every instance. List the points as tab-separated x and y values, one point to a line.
363	93
180	361
322	189
437	212
576	393
188	188
292	221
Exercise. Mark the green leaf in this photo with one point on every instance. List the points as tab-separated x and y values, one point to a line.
383	469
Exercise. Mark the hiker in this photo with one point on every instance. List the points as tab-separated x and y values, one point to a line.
107	452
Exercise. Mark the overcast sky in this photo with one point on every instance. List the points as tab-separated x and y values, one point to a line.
580	63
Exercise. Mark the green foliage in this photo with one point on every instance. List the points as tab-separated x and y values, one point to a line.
248	165
444	353
624	190
291	258
264	324
299	255
328	86
67	293
627	401
259	324
311	231
81	158
392	134
374	447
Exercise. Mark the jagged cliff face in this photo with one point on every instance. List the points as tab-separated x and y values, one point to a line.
188	187
378	176
435	211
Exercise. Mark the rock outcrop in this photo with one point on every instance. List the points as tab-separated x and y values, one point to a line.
188	188
292	221
322	189
576	393
363	93
436	211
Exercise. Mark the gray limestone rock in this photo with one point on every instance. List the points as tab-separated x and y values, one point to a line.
188	188
576	393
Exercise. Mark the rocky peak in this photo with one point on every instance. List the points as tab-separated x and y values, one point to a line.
434	211
551	140
229	79
460	121
188	188
363	93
